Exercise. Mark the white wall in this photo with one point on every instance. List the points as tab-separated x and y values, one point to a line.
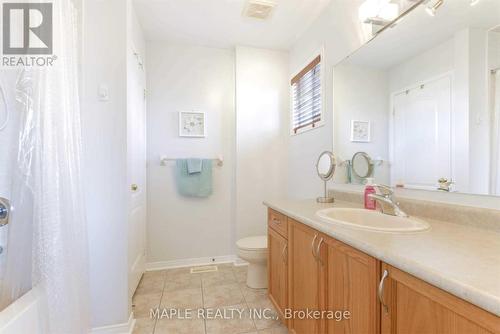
104	161
251	136
184	78
262	123
337	30
362	93
493	50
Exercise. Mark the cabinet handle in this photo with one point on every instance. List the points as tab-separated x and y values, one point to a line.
318	258
381	291
312	246
276	221
284	254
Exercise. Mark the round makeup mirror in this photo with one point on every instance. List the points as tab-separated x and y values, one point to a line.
325	167
362	165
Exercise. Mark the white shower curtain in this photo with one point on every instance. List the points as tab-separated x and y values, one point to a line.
495	177
47	228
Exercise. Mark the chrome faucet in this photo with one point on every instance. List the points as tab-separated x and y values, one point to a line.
386	200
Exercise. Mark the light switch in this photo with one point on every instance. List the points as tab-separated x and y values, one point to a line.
103	93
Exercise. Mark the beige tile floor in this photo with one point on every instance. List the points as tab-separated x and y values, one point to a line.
224	289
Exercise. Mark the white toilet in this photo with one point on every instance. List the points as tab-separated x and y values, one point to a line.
254	251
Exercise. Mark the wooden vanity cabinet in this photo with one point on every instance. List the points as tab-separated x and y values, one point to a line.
277	264
351	285
305	277
278	270
328	275
412	306
322	273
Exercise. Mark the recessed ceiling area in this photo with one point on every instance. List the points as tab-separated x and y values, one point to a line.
221	23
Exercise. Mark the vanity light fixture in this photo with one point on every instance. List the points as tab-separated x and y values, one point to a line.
431	10
378	12
474	2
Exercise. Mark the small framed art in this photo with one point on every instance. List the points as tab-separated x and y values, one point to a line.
192	124
360	131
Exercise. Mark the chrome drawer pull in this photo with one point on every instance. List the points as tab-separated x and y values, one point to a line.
381	291
318	258
284	254
312	247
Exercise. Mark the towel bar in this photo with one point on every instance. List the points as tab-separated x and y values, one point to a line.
163	160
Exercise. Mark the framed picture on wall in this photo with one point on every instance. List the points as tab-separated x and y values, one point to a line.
360	131
192	124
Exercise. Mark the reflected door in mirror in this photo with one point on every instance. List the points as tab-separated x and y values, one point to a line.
422	135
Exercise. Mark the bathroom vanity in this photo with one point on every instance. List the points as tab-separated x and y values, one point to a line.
387	282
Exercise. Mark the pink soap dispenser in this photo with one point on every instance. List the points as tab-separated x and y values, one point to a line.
370	203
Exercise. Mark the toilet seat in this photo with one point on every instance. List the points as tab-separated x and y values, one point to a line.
253	243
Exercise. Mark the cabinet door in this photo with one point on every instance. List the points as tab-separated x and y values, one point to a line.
416	307
351	285
277	270
304	274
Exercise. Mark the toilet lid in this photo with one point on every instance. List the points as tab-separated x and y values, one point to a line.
252	243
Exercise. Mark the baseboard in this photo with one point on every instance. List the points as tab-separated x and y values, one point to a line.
201	261
125	328
239	262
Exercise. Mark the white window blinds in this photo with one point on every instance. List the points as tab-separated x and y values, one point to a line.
306	96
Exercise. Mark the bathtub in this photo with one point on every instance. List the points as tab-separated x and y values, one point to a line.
25	315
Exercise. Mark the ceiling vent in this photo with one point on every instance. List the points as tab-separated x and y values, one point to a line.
259	9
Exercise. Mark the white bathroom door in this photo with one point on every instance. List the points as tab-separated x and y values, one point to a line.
136	151
421	145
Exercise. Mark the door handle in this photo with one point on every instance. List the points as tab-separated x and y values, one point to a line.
381	291
134	187
312	246
318	258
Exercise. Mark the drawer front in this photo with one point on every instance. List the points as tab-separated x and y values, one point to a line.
277	222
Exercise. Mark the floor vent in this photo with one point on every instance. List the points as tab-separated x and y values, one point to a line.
203	269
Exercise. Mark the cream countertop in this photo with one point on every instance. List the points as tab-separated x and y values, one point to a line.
462	260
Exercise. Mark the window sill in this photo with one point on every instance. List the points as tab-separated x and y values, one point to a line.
307	129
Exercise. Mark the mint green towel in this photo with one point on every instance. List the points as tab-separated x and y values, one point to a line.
194	185
194	165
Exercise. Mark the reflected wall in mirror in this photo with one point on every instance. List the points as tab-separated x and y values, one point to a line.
430	87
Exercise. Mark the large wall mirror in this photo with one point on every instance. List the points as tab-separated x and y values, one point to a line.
423	98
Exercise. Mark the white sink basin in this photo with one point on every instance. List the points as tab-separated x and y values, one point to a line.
372	220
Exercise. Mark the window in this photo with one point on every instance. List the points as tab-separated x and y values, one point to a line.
306	97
